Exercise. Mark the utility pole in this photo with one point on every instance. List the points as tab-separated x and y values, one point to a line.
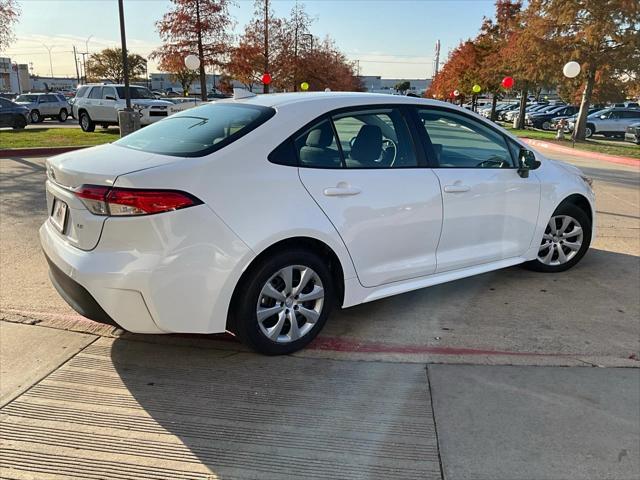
75	59
357	68
127	119
266	43
436	66
84	62
203	78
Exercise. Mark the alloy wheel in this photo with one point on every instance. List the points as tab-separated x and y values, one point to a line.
561	240
35	116
290	303
84	121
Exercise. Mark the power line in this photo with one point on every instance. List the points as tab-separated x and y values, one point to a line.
402	63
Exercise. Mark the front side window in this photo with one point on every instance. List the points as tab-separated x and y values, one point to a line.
82	91
198	131
459	141
136	93
96	92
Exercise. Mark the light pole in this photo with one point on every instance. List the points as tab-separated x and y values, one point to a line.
86	52
49	48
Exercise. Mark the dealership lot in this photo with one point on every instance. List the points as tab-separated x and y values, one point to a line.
197	407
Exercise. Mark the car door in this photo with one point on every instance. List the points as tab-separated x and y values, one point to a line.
364	171
107	105
5	113
489	211
51	105
92	103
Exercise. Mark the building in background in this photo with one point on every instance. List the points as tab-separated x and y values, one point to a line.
14	78
377	84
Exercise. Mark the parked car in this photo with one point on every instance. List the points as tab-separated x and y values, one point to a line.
513	114
502	115
45	105
632	133
571	118
99	104
260	214
13	115
184	103
543	120
610	122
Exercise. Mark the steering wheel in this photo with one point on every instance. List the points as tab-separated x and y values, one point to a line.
389	152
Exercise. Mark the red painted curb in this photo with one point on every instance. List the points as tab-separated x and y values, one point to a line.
634	162
37	151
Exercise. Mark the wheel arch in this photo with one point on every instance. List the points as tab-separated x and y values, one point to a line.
320	248
581	202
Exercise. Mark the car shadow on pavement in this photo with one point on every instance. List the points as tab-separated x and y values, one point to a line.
242	415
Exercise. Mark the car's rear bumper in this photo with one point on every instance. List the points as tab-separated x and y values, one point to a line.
631	137
166	273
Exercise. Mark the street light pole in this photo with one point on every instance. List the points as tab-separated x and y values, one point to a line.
84	62
50	62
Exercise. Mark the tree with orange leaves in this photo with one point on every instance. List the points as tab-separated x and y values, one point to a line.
178	71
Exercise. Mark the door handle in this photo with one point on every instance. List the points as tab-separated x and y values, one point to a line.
456	188
343	189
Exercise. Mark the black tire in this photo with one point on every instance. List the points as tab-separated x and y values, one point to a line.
35	116
581	217
589	131
243	320
19	123
86	124
63	115
546	126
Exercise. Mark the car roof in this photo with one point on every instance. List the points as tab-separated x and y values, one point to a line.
317	99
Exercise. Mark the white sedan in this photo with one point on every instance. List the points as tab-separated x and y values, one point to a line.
258	215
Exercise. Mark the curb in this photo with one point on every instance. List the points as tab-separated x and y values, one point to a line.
37	151
634	162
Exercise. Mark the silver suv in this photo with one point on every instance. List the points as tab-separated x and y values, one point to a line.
45	105
610	122
99	104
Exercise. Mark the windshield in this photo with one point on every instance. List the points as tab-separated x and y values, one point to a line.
136	92
27	98
600	112
198	131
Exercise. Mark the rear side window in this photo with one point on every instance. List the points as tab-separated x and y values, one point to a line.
82	91
198	131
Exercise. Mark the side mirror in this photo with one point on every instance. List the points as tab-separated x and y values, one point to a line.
109	97
603	117
526	161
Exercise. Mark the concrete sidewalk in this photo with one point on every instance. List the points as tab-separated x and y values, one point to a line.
138	410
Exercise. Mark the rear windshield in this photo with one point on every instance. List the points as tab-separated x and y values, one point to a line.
198	131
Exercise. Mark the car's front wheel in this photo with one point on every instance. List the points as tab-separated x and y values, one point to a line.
86	123
62	116
566	239
35	116
283	302
19	123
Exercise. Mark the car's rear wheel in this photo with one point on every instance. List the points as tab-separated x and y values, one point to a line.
62	116
19	123
35	116
283	302
86	123
566	239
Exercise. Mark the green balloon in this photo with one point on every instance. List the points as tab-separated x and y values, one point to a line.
304	86
477	88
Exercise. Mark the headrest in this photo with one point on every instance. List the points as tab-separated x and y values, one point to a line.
367	146
322	136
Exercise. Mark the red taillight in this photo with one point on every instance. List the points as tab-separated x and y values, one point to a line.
125	201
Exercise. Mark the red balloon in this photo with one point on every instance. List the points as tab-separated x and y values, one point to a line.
452	95
507	82
266	78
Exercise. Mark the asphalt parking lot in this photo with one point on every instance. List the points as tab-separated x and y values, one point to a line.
465	380
588	314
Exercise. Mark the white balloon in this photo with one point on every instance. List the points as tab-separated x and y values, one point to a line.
571	69
192	62
456	92
327	89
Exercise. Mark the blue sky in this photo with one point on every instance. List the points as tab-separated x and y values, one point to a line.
392	38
